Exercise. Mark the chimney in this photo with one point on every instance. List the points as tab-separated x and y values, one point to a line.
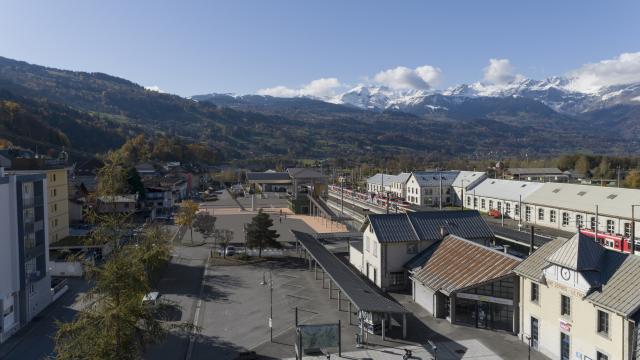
531	240
443	231
506	248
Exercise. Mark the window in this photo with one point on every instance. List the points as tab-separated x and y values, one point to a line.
516	210
499	206
468	200
565	347
508	208
412	248
611	227
603	322
397	278
490	204
593	223
565	219
535	292
565	306
534	333
552	216
579	221
601	356
475	202
527	214
375	248
482	204
541	214
366	243
627	230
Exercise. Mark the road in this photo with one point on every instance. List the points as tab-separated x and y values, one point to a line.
35	340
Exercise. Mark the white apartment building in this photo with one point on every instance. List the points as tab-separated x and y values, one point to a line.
384	183
579	300
25	283
427	188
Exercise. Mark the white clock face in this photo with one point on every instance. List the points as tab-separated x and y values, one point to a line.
565	273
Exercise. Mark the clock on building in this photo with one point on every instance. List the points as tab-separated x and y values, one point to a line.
565	273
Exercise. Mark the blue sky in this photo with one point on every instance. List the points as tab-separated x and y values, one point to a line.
193	47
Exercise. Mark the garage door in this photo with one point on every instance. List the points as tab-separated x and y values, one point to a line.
424	297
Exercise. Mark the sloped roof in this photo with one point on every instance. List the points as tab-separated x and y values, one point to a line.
535	171
268	176
584	198
432	178
378	178
620	279
304	173
510	190
580	253
454	264
391	228
469	179
616	282
427	225
533	265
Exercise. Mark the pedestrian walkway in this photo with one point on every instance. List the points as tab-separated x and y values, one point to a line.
465	349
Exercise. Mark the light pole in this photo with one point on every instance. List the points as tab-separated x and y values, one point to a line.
529	342
263	283
633	230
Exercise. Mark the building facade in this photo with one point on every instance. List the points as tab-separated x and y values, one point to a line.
431	188
580	301
25	284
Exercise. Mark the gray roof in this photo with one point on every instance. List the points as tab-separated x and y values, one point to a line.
620	278
469	179
616	282
364	296
611	201
304	173
427	225
268	176
378	178
510	190
533	266
432	178
535	171
579	253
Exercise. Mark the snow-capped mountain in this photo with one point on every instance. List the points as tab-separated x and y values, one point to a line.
555	92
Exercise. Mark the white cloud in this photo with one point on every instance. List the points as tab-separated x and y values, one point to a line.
402	77
155	88
589	78
322	88
500	71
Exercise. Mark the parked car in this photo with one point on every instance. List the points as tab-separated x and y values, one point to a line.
151	298
495	213
229	251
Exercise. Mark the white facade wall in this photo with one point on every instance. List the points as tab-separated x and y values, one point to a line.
585	340
9	262
424	297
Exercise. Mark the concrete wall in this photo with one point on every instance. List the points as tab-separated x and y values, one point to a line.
63	268
355	258
424	297
585	339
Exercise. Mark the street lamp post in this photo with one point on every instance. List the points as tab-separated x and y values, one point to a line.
529	342
263	283
633	230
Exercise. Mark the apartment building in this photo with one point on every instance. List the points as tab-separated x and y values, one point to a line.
431	188
25	284
56	173
580	301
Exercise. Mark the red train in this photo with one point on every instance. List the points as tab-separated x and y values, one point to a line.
610	241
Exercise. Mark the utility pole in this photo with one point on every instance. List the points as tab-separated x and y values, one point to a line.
440	196
342	196
462	193
632	240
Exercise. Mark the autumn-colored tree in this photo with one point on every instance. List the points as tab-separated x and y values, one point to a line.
632	180
187	215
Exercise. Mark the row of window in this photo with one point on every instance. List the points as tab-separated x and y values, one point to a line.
578	220
565	309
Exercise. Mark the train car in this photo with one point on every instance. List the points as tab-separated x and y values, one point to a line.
610	241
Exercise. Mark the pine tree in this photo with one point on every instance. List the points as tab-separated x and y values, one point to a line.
259	233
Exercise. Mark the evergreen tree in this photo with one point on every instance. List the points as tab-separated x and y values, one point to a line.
134	182
259	233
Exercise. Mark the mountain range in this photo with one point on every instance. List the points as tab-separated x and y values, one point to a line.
90	113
